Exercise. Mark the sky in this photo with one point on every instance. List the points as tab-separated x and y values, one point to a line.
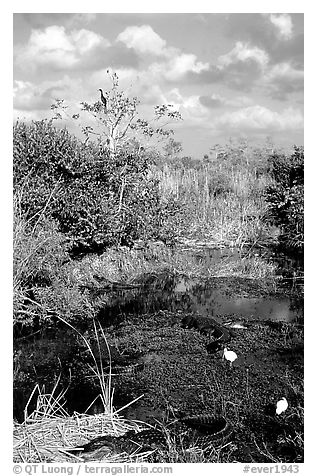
230	75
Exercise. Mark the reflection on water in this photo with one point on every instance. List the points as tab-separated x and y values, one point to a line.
214	302
214	297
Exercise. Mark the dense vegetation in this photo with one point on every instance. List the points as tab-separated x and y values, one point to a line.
113	213
96	200
77	197
286	197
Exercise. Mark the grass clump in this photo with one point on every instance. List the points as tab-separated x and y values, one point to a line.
49	431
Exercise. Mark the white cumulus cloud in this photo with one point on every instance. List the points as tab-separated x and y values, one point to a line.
169	63
284	25
284	71
54	47
178	66
244	52
143	39
190	107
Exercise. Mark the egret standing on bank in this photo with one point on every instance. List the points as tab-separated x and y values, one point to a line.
281	406
229	355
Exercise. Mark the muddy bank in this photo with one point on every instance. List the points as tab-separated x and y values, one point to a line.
180	377
173	367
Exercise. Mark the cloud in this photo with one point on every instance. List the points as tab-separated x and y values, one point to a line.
177	67
55	49
160	60
245	68
275	37
143	39
193	112
216	101
239	69
261	118
260	28
283	24
212	74
242	66
182	63
192	109
243	52
28	96
84	40
282	79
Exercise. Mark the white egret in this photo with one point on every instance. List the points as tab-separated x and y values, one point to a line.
229	355
281	406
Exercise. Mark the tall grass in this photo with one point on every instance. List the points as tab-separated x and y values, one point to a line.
38	252
48	432
221	200
97	369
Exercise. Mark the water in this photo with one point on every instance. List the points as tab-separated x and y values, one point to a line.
219	298
215	297
208	301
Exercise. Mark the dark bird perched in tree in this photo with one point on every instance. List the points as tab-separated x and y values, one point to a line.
103	99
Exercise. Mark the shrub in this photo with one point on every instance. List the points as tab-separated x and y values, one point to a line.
286	196
45	159
96	200
39	253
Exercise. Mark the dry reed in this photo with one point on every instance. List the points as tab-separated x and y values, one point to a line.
49	432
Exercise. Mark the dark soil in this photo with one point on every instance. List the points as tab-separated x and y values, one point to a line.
178	376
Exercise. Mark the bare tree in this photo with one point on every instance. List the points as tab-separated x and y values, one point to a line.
117	123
